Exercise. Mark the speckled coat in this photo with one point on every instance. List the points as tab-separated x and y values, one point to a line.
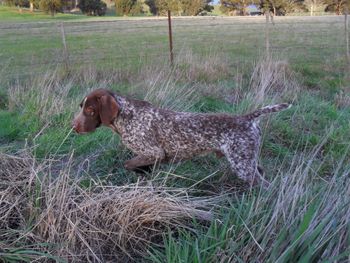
156	134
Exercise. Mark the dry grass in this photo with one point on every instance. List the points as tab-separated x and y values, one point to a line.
205	68
178	87
95	223
342	99
52	211
273	79
163	89
46	94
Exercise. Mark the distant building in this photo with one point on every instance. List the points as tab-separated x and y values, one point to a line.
254	10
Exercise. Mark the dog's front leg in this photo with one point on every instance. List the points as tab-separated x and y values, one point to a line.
145	160
139	161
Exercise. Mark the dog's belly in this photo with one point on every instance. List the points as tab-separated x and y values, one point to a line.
180	139
182	146
175	146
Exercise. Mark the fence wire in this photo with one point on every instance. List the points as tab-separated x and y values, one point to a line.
28	49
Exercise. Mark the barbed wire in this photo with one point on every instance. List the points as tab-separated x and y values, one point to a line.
307	38
129	23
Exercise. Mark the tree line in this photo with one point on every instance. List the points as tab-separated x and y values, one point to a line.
183	7
284	7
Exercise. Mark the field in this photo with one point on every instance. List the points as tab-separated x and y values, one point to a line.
66	197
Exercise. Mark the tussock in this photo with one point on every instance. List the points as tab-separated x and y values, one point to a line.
205	68
166	92
15	179
273	78
178	87
47	94
96	223
342	99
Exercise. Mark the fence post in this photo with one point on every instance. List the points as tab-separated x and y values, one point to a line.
170	39
65	49
347	35
267	34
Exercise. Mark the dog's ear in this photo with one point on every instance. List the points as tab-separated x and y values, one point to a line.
108	109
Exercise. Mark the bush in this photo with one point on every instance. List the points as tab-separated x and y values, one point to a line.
51	6
93	7
128	7
20	3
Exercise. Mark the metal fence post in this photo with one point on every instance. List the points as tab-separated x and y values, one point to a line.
267	34
347	35
170	39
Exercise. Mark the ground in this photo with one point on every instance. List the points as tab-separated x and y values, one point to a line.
221	64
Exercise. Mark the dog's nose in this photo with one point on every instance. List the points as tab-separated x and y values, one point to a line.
75	126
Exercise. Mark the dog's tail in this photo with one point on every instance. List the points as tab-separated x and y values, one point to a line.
266	110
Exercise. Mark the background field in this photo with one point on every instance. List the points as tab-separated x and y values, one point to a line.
67	197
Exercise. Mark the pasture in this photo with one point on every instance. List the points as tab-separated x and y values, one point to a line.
66	197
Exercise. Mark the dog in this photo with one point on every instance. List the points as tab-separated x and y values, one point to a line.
159	135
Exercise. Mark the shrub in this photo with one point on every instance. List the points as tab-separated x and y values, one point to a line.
51	6
20	3
93	7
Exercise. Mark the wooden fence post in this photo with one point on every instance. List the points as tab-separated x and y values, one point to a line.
347	35
65	49
267	34
170	39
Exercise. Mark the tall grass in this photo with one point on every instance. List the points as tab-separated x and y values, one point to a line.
80	222
64	197
301	218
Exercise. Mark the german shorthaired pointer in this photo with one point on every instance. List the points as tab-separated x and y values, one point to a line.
160	135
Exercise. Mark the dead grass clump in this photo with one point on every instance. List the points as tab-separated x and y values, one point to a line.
44	95
15	180
178	87
194	68
342	99
96	223
89	75
162	87
54	92
271	79
169	93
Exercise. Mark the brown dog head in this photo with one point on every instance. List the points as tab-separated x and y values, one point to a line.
99	107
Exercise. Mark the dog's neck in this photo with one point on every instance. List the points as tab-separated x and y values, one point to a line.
125	113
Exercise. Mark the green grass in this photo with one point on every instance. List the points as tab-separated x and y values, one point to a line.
245	229
8	126
305	151
309	44
11	14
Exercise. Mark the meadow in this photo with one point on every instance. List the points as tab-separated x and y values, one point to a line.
67	198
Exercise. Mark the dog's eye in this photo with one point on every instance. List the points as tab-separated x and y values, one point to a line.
90	111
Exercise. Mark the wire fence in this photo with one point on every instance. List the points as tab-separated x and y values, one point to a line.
32	48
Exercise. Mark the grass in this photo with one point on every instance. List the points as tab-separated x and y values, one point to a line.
67	198
23	14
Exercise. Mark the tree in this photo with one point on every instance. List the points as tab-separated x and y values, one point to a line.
51	6
152	6
239	6
93	7
281	7
161	7
19	3
194	7
127	7
337	6
68	5
312	5
33	4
